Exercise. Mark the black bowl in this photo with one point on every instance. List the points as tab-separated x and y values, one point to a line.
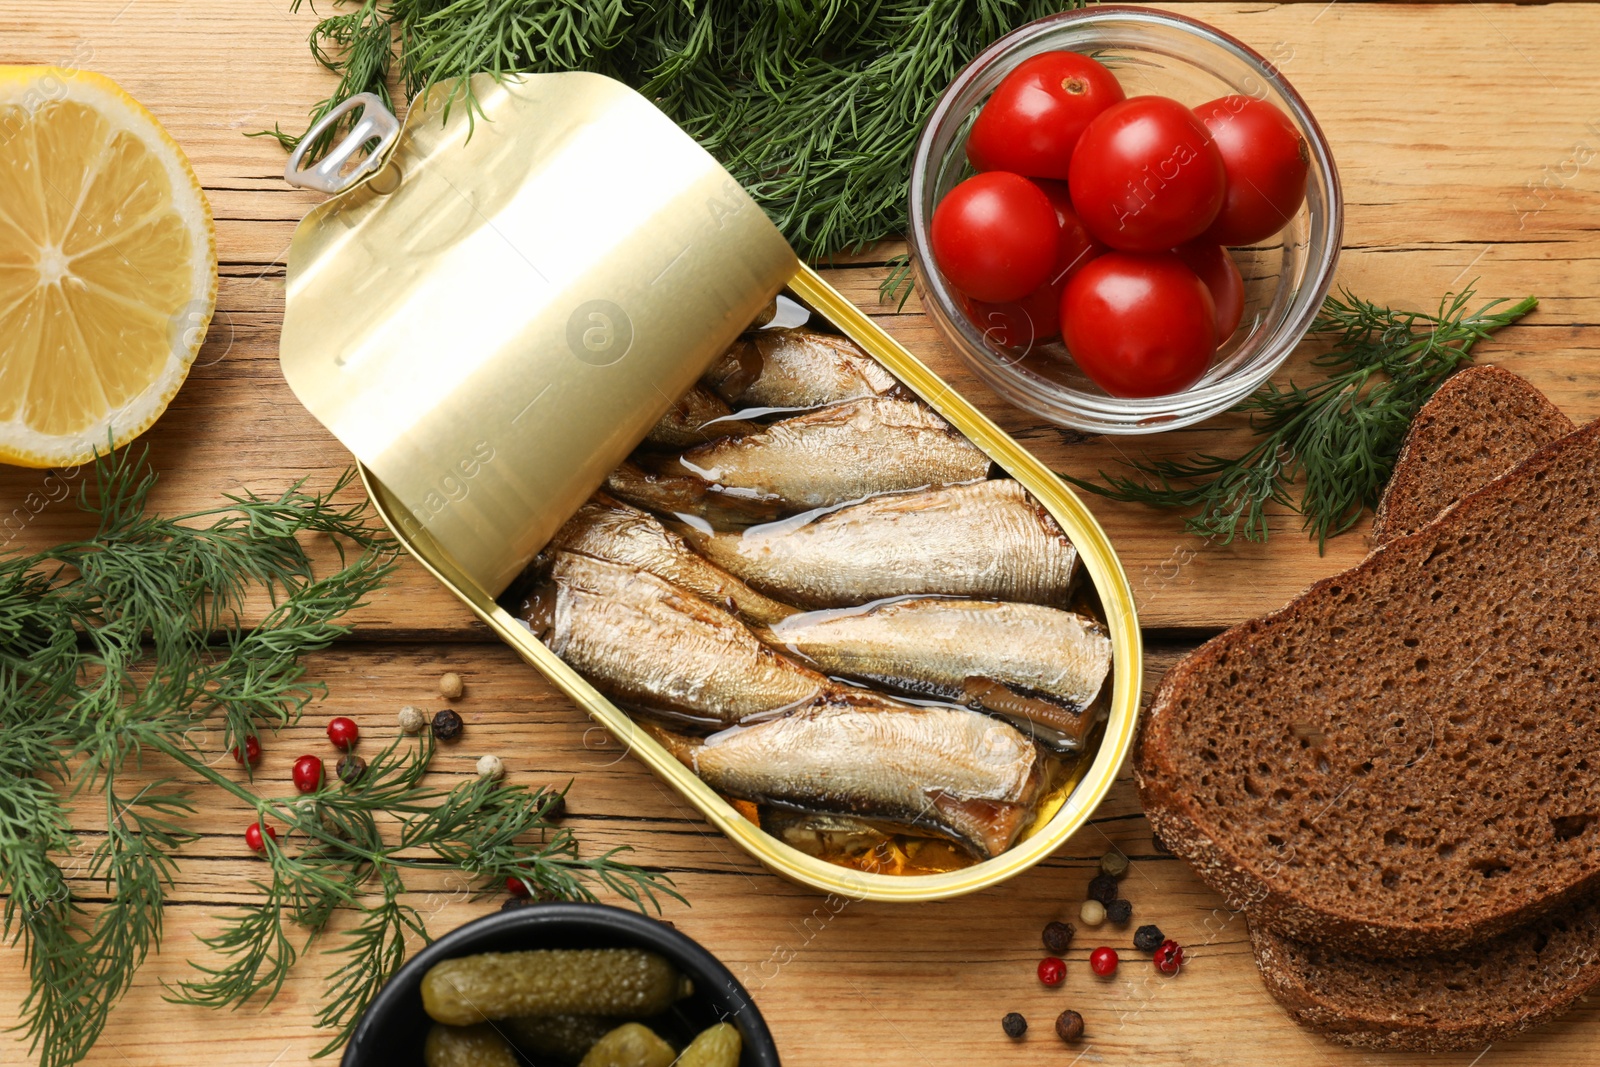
391	1032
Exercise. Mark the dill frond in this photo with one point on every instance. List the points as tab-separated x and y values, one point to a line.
1336	440
120	645
814	108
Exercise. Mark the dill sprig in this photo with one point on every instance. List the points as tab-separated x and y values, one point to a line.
123	646
898	281
1336	440
331	850
114	645
814	108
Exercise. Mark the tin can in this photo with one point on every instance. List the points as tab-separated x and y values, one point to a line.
502	298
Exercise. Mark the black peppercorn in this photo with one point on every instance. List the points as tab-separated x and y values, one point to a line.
351	768
1057	937
1069	1025
1119	911
513	903
1103	887
447	725
1014	1024
1148	938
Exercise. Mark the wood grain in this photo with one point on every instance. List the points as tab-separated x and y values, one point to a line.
1435	196
832	976
1466	138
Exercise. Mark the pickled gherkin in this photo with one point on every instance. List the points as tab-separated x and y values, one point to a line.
558	1037
467	1046
717	1047
630	1045
501	985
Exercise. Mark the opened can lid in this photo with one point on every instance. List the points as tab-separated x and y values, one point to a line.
493	320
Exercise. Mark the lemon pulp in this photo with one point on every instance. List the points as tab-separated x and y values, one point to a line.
107	266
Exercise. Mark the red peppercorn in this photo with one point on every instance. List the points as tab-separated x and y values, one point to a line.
516	887
1103	961
251	753
252	837
1052	970
307	774
343	732
1169	957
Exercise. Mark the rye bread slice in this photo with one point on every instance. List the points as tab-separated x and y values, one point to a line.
1438	1003
1480	424
1484	993
1401	760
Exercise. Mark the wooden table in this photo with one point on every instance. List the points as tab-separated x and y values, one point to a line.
1465	135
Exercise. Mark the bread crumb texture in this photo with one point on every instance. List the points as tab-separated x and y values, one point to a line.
1480	424
1402	760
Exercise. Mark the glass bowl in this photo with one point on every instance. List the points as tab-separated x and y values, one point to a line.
1286	276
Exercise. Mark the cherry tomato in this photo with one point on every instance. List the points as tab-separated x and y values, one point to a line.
1019	323
1221	274
1267	162
1146	176
1037	316
1139	325
995	236
1034	117
1075	246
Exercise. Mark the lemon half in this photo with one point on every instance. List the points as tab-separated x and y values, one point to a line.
108	266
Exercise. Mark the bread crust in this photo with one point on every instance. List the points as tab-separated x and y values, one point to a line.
1486	993
1431	472
1368	1006
1247	881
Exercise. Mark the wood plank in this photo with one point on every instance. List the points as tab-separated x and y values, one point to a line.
914	986
832	976
1434	197
508	710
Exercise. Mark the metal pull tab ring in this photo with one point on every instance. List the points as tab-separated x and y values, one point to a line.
377	123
